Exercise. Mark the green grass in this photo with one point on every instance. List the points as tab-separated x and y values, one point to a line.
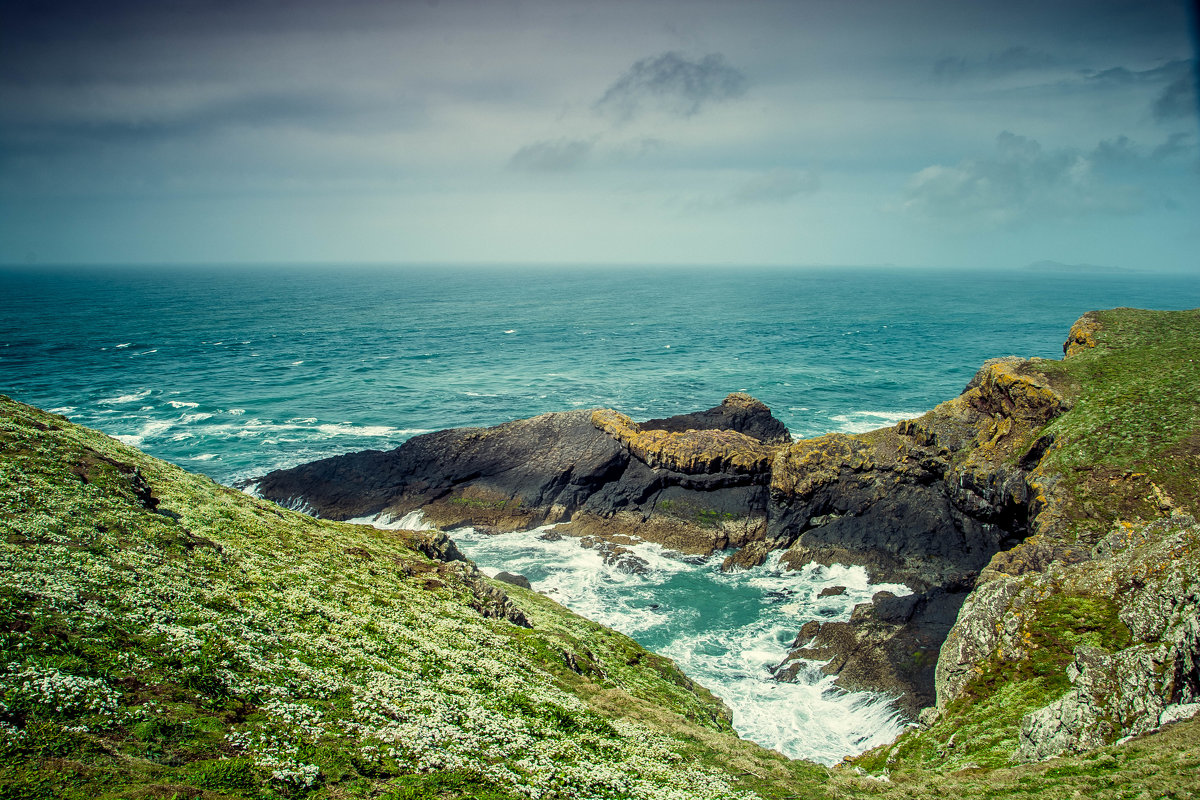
1130	445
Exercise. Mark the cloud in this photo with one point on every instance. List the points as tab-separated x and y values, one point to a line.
1178	99
1006	62
562	155
777	186
1021	182
672	84
1177	144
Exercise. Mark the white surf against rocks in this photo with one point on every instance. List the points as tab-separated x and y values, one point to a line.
724	630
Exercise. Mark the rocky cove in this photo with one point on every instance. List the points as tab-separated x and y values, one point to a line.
168	636
730	479
969	505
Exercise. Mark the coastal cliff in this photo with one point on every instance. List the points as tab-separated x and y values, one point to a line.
926	503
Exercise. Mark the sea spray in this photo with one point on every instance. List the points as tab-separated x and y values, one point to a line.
725	630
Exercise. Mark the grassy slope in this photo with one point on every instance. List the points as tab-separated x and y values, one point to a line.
164	636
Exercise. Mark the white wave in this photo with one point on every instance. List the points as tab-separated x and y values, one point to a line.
864	421
252	490
349	429
122	346
296	363
64	410
204	457
146	352
189	419
511	330
724	630
181	404
149	430
124	398
412	521
302	420
237	412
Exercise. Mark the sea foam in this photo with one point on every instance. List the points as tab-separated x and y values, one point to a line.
724	630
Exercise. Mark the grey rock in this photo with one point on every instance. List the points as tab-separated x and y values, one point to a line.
514	579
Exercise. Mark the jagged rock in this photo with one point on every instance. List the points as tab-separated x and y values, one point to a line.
488	600
738	412
1140	590
1114	695
514	579
434	544
696	490
617	556
1082	335
889	644
832	591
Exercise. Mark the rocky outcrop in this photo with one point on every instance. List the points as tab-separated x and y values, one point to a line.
890	645
739	412
696	489
1133	607
927	503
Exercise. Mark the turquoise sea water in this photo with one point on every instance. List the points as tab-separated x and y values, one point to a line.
235	371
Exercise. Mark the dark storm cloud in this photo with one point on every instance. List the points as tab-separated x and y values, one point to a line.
262	110
1178	99
1006	62
1122	76
556	156
671	83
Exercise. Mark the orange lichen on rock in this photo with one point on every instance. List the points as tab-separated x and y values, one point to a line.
812	463
1082	335
692	451
1001	388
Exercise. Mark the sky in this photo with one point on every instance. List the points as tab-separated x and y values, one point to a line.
735	132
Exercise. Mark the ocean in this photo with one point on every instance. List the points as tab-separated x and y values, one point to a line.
235	371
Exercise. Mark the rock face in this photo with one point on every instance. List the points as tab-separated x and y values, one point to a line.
696	489
890	644
1136	604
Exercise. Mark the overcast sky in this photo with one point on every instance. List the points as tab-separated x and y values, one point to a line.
941	132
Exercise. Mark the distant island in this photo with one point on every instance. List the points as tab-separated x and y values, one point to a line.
1057	266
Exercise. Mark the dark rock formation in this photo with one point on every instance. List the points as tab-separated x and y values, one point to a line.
514	579
927	503
740	412
890	644
696	489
